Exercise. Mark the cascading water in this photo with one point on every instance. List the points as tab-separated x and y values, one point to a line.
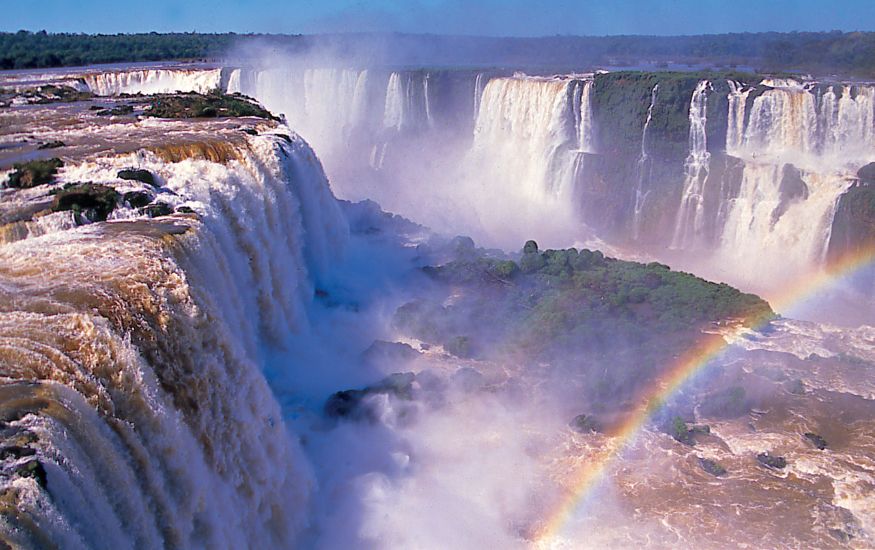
153	81
530	136
643	168
690	215
130	356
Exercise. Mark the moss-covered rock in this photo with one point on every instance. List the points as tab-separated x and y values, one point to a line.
212	105
33	173
96	202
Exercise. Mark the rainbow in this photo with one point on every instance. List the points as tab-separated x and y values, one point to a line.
587	478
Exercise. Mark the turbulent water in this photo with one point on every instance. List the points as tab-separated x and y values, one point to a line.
130	353
169	375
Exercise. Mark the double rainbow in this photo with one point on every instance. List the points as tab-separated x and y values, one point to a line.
587	478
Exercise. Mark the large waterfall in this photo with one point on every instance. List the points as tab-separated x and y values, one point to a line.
759	154
131	354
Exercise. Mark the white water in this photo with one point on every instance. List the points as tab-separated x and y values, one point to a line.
153	81
643	168
160	429
690	215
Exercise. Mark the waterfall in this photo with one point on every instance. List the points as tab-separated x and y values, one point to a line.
153	81
737	100
764	223
130	354
533	130
690	220
643	168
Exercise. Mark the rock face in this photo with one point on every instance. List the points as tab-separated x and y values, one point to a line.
853	228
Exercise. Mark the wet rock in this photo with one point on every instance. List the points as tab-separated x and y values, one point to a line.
51	144
137	199
158	209
775	462
841	536
15	452
121	110
94	201
351	404
816	440
137	174
34	469
796	387
382	351
250	131
185	210
712	467
584	423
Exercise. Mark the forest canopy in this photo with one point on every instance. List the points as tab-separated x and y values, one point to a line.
833	52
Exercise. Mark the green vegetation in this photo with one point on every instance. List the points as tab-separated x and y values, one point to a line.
33	173
94	201
849	53
27	50
618	321
212	105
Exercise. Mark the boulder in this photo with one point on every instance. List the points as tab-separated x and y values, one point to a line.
712	467
774	462
816	440
95	201
137	174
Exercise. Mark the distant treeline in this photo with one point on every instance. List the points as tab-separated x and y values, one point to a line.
838	52
31	50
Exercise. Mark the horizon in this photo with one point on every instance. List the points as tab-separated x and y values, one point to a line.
486	18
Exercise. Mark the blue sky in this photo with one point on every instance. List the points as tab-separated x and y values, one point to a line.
488	17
